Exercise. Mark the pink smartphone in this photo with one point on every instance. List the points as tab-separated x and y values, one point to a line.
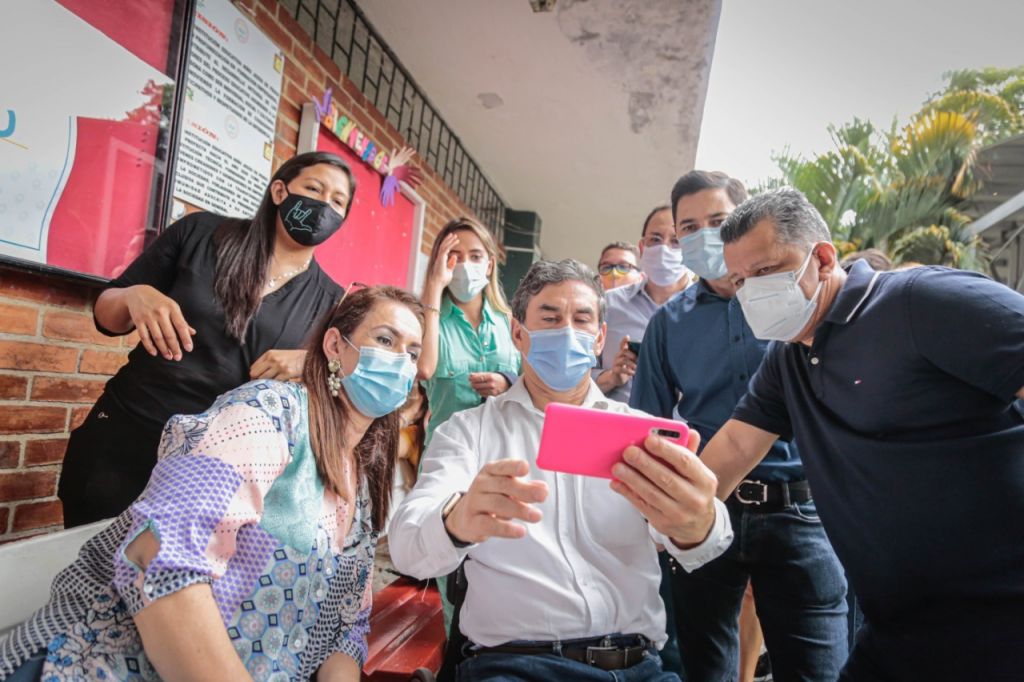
581	440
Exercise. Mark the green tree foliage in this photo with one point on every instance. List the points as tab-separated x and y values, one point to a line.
899	189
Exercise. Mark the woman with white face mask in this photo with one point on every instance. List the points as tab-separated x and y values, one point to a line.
468	354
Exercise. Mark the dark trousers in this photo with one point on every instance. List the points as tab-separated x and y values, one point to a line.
670	659
107	464
799	590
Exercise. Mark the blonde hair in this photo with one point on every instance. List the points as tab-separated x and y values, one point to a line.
493	291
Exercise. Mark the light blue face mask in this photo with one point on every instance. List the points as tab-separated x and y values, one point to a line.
381	381
561	357
703	253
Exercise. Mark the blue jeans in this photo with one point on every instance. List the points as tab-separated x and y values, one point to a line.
799	590
547	667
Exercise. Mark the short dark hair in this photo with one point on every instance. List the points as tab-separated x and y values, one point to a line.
654	211
625	246
876	258
545	272
795	219
698	181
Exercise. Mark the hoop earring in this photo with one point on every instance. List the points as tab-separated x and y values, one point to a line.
333	376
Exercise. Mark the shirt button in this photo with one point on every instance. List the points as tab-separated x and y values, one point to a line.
320	593
743	377
815	360
736	338
148	589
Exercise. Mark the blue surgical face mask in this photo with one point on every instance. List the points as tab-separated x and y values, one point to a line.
561	357
703	253
381	381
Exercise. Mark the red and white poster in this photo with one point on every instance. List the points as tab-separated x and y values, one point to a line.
84	101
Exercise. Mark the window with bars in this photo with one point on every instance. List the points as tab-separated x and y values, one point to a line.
341	30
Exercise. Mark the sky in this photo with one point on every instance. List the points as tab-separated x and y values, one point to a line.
783	70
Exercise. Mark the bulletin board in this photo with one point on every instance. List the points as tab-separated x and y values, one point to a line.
85	110
377	244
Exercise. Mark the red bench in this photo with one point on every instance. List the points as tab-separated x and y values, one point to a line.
406	632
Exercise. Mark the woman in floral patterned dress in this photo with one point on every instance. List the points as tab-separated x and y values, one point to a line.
250	553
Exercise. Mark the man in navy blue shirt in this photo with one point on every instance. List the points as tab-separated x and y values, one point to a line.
697	357
900	388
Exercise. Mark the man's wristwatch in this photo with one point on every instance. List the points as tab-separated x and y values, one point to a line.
446	511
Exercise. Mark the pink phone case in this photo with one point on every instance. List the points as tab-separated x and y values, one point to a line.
581	440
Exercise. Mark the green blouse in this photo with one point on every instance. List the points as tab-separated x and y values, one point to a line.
463	350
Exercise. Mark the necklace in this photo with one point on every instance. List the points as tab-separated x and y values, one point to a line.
273	281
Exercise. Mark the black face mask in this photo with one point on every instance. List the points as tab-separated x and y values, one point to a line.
309	221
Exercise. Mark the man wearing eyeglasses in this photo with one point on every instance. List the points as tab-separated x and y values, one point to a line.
695	363
630	307
618	265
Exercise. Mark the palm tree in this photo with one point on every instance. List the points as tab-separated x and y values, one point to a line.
900	189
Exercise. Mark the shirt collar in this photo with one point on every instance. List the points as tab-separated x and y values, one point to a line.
701	290
449	309
860	282
518	394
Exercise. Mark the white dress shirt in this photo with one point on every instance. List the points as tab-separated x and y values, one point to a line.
587	569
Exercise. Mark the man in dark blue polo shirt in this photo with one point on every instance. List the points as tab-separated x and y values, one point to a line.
697	357
900	389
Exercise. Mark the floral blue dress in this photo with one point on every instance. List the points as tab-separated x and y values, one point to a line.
235	501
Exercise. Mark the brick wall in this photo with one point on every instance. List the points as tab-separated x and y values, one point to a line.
53	363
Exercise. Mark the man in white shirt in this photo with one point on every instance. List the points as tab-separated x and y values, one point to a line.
631	307
574	593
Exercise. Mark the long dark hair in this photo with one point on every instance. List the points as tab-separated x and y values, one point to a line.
377	452
244	247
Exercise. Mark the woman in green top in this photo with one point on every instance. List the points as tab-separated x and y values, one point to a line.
467	346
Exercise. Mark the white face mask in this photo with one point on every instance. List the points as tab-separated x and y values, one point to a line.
663	264
468	280
775	306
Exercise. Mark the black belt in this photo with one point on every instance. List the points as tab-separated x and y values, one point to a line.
765	496
599	652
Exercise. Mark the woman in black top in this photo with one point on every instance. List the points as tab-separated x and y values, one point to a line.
216	301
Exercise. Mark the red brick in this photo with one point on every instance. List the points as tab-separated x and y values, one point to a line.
5	515
75	327
284	149
18	419
294	73
78	415
18	319
287	22
41	357
43	289
27	485
294	95
10	451
13	387
55	389
37	515
101	362
47	451
274	30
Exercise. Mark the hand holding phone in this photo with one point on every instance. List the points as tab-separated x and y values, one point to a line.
634	346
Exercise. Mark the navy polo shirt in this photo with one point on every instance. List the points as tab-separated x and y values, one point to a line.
697	357
904	409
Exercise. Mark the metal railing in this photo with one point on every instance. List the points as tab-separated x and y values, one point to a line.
341	30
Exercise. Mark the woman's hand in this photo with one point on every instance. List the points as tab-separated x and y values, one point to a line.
488	383
280	365
158	319
441	270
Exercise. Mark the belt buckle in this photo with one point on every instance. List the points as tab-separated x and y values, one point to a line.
743	500
606	646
